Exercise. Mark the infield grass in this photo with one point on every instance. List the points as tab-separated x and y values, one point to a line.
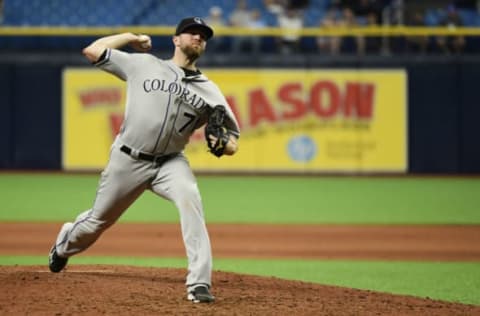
338	200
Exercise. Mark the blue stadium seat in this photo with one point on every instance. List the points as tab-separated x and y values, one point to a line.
312	17
469	17
433	17
269	18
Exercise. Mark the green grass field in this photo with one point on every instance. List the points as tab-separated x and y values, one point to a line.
340	200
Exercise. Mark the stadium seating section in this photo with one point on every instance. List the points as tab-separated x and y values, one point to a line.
157	12
150	13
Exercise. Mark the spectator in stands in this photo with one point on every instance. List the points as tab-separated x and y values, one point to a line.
351	44
215	19
275	7
256	22
393	12
363	8
241	16
364	12
329	44
416	44
373	44
451	44
291	22
1	11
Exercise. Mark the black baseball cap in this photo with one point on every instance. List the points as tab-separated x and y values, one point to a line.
194	22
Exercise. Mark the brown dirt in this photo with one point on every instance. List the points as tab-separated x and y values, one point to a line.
121	290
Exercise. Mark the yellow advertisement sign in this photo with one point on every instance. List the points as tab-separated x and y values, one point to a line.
93	104
291	120
315	120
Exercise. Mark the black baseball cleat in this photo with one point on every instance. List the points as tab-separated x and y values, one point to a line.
200	294
55	262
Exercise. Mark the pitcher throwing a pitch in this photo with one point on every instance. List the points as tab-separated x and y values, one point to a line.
167	100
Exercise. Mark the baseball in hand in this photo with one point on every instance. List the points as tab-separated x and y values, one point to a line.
144	41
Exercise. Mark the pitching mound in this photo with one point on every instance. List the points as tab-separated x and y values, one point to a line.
121	290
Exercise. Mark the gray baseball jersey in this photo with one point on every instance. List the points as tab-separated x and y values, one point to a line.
164	106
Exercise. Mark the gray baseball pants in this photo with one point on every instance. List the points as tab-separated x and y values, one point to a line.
122	182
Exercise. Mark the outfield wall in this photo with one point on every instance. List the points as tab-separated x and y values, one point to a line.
442	106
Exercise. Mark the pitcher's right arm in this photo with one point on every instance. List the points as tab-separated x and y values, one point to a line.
94	51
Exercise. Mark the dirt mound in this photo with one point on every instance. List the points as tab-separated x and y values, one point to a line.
122	290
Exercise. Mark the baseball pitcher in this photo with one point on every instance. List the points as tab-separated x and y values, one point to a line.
167	100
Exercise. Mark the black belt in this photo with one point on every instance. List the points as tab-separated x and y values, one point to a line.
144	156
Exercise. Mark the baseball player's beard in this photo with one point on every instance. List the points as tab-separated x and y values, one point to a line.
192	53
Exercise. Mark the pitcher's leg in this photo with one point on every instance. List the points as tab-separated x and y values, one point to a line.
118	188
176	182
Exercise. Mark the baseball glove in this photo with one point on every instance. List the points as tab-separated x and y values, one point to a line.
215	127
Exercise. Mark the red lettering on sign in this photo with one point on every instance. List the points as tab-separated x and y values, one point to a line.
320	91
359	100
103	96
290	94
233	105
198	135
260	108
325	99
116	121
